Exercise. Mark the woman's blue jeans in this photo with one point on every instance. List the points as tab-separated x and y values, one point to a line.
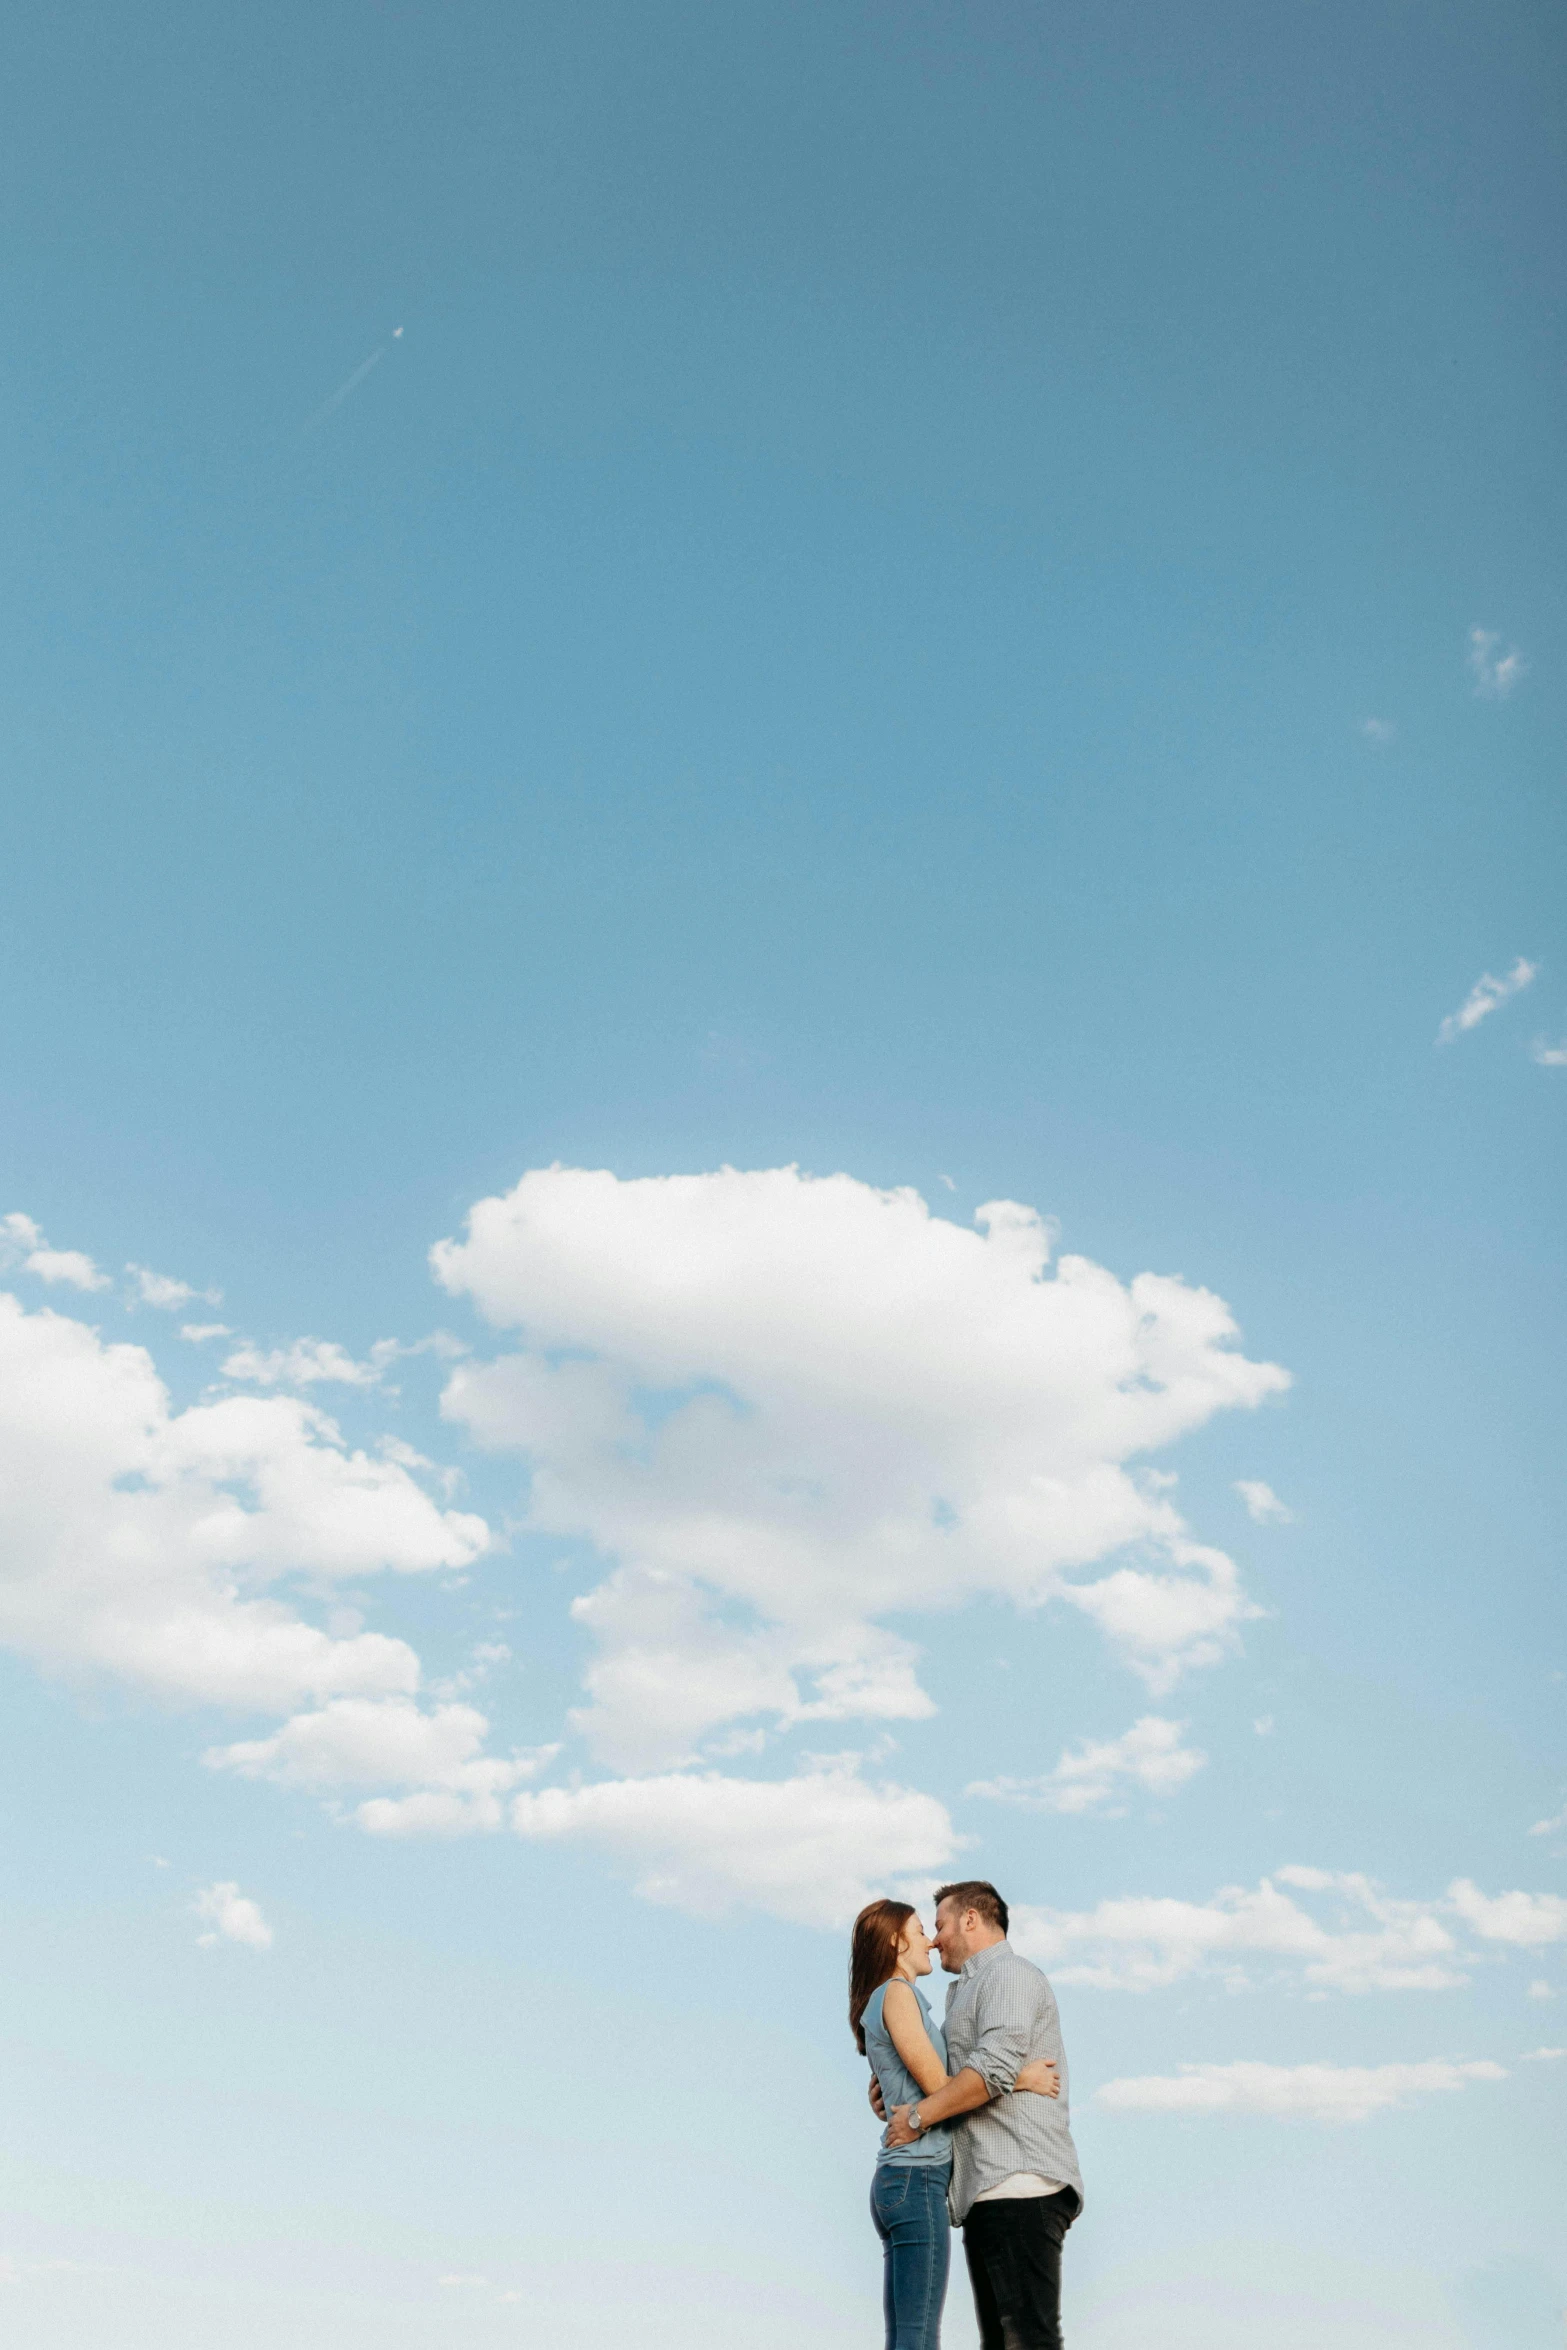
909	2207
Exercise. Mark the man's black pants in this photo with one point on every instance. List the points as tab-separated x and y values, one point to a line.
1014	2265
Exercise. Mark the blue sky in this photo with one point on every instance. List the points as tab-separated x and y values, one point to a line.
967	602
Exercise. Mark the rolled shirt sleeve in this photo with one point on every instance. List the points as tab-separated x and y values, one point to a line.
1006	2023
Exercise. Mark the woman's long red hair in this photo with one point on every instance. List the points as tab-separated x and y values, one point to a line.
873	1956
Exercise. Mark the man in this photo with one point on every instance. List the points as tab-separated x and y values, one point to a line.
1016	2187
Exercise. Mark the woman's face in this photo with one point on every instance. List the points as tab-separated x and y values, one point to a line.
914	1949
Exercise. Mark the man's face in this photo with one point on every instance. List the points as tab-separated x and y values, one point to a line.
950	1938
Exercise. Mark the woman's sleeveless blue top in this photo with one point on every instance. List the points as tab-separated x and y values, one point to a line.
898	2085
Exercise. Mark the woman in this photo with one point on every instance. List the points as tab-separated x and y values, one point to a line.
893	2026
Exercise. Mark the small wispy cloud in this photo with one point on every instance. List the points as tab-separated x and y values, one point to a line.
1558	1820
1149	1755
486	1658
1544	2056
469	2281
16	2272
1529	1920
1378	730
1549	1056
1263	1505
317	1362
310	1362
199	1332
1495	673
231	1916
163	1291
1487	995
22	1242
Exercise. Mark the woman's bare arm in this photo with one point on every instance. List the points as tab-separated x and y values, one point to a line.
1039	2077
900	2012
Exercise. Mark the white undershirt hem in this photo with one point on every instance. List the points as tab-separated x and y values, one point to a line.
1019	2183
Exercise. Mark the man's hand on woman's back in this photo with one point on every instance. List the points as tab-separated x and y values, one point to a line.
1040	2076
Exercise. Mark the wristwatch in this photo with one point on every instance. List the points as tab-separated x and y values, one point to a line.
915	2123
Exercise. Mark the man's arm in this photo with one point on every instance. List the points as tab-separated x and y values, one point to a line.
1038	2076
961	2095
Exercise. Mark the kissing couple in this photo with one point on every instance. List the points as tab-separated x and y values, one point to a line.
978	2134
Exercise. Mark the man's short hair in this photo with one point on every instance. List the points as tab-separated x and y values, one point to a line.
974	1893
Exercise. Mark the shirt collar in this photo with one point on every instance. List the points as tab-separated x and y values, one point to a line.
971	1966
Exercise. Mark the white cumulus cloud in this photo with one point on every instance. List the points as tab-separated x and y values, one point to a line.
139	1542
356	1742
231	1917
1144	1942
1310	2092
785	1408
813	1848
1263	1505
1329	1930
1486	996
1549	1056
1149	1755
1495	673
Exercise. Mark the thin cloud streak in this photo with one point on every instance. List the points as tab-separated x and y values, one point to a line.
1309	2092
348	387
1487	995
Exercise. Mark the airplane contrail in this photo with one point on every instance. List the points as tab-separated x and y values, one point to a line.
352	384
